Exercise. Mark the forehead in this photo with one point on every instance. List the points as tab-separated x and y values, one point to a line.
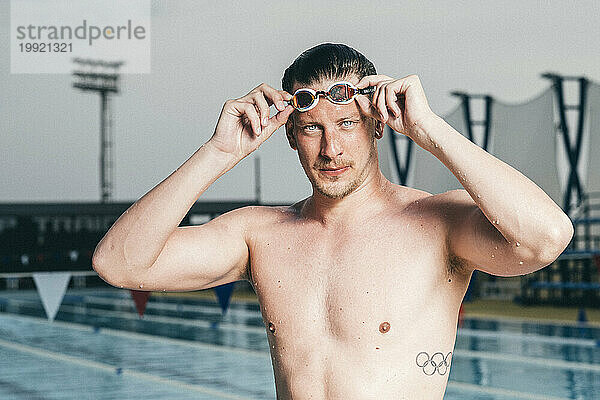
324	83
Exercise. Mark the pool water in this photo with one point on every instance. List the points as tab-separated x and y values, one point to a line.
183	348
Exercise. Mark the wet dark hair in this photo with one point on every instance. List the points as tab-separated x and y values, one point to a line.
326	61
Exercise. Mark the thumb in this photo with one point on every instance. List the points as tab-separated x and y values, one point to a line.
367	108
278	120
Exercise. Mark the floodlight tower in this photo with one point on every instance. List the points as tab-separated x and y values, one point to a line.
101	77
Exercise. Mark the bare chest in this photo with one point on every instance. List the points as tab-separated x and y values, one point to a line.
354	283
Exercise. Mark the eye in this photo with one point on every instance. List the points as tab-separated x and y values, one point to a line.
348	123
311	128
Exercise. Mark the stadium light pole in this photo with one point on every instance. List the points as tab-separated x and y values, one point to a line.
101	77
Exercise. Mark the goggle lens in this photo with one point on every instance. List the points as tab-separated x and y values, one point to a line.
339	92
303	99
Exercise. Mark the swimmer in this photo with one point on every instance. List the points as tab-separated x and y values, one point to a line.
359	284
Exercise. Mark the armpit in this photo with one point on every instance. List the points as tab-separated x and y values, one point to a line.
457	266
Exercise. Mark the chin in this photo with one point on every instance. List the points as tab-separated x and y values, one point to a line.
336	190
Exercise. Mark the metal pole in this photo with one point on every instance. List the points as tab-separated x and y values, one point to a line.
103	132
257	193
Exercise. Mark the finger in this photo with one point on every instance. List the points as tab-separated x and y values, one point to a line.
379	101
286	96
262	107
391	99
279	119
372	80
249	111
273	96
367	108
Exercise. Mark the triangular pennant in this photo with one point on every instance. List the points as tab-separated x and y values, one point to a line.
51	287
224	295
461	315
140	298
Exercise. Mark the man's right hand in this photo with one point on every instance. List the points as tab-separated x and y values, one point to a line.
244	123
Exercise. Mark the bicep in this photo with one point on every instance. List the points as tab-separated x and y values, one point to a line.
201	257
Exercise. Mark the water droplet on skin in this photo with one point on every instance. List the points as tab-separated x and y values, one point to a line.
495	247
492	256
517	244
478	196
141	285
384	327
272	328
436	146
520	262
121	286
496	222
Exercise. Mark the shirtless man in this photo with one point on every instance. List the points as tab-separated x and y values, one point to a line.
359	284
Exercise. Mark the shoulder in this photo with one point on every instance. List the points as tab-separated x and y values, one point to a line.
445	204
255	216
407	199
449	209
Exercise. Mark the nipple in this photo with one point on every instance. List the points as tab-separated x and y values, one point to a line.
384	327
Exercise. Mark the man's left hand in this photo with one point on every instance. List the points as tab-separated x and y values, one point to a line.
400	103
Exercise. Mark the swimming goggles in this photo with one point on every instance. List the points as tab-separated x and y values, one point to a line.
339	93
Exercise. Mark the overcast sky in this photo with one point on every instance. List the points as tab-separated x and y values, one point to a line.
206	52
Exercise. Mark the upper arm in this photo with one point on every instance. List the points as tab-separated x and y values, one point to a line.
203	256
475	243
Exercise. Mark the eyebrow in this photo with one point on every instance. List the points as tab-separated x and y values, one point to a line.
353	116
345	118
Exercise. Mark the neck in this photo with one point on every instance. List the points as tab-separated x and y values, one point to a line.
368	196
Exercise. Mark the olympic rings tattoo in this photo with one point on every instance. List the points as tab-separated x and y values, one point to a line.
437	362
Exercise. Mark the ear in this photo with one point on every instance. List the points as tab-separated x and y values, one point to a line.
289	133
379	129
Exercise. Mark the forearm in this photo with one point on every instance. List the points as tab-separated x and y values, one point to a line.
136	239
520	210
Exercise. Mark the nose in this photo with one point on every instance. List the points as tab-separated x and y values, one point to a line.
331	144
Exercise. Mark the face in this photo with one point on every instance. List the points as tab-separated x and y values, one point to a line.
335	144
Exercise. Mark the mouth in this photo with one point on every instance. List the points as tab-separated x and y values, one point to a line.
334	171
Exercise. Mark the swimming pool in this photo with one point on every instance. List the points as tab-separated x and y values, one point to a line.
98	348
